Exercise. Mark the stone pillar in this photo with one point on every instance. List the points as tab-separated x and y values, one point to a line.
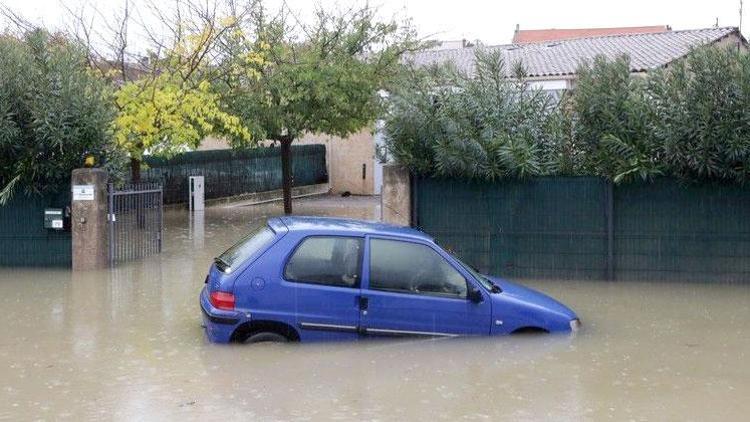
396	195
88	219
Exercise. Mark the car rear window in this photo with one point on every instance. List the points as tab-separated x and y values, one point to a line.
245	248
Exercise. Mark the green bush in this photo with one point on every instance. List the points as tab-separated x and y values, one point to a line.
53	111
702	115
690	120
612	119
482	126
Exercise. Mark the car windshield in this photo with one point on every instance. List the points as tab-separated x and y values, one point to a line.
245	248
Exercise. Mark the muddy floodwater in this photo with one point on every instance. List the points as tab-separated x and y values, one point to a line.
127	344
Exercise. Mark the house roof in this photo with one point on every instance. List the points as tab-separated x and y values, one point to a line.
561	58
523	36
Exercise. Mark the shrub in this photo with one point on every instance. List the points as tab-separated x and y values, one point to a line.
613	121
690	120
702	115
482	126
53	111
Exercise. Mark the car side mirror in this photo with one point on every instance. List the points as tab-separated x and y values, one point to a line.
474	295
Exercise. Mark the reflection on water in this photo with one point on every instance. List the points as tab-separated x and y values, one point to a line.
127	344
197	228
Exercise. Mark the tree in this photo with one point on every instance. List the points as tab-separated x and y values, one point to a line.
53	111
164	115
284	78
165	100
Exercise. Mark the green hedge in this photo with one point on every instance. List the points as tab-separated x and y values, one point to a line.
690	121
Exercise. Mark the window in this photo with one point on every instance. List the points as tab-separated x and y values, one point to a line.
413	268
245	248
329	260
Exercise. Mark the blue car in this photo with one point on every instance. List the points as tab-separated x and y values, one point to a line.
312	278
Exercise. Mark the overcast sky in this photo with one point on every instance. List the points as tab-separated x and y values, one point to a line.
493	21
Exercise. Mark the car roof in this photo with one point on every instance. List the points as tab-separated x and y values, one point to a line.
345	226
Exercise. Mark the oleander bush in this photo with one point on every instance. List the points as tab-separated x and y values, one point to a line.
483	125
53	111
690	121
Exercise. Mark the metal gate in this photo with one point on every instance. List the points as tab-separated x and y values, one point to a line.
135	221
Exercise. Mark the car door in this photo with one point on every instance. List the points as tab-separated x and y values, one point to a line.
322	282
412	288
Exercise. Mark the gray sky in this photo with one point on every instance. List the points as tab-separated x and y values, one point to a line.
493	21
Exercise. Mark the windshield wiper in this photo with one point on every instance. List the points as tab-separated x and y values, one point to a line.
481	278
495	288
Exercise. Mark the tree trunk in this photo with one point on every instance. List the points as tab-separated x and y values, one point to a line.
286	172
135	170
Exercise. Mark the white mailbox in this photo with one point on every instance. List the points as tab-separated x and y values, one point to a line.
195	194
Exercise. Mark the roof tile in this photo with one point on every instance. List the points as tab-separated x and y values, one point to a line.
545	35
559	58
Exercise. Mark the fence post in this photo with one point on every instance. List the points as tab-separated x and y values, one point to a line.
395	199
610	210
89	219
414	217
161	217
111	222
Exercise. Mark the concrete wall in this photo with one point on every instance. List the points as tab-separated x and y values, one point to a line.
89	223
345	158
212	143
396	196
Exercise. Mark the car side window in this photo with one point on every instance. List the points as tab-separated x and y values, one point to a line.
329	260
408	267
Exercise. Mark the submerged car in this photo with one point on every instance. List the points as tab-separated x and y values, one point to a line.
314	278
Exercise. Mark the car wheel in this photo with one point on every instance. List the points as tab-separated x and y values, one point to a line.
266	337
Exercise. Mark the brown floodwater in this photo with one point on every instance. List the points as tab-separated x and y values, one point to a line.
127	344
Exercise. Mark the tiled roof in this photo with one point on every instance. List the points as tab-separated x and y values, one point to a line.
523	36
560	58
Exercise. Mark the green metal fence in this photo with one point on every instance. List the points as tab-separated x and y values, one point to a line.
23	239
585	228
228	172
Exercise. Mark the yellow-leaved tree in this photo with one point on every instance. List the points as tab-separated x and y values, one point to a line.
165	102
164	115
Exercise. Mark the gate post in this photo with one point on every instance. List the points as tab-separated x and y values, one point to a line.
395	199
89	219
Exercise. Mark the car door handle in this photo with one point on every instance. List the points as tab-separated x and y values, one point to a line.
363	303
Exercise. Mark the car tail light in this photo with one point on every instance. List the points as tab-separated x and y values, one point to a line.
223	300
